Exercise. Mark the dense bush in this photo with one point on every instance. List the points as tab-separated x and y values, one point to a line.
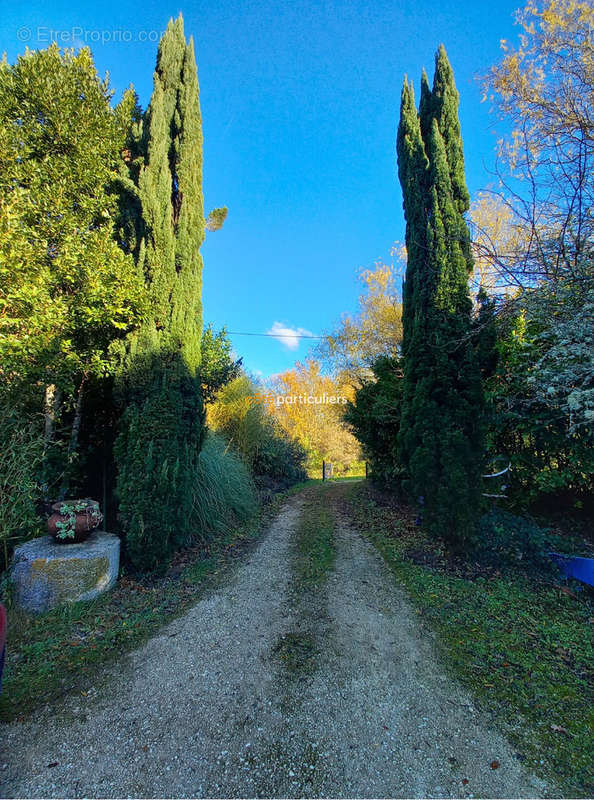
157	453
375	419
542	393
272	456
235	414
21	452
505	539
279	459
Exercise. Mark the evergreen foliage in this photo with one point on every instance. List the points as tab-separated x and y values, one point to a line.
374	418
162	426
217	366
170	190
216	219
485	325
440	438
21	455
67	290
542	395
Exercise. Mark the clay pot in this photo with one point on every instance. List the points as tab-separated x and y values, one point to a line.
83	520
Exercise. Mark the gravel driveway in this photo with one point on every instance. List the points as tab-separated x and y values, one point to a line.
209	709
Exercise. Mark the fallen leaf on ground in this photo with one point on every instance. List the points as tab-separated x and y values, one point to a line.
495	764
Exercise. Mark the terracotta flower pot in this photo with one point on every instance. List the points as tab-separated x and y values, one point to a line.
73	520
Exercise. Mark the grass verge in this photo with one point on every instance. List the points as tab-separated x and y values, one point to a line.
520	640
315	550
64	650
313	556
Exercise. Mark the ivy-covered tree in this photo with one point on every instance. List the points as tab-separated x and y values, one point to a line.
163	422
440	438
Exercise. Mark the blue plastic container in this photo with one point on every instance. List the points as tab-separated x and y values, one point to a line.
582	569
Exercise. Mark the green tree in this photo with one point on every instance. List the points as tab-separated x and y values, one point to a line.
67	290
163	423
374	418
542	394
217	366
440	438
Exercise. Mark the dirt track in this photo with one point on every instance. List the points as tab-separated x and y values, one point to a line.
209	708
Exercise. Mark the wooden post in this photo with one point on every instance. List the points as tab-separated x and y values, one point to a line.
366	471
323	470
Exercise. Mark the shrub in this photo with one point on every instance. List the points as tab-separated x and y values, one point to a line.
269	452
238	418
542	394
156	453
21	452
507	540
374	418
279	459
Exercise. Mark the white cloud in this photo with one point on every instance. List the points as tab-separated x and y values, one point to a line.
288	336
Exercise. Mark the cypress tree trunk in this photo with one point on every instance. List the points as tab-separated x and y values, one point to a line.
163	423
440	442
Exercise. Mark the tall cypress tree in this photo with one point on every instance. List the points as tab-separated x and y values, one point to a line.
163	422
170	188
440	441
413	171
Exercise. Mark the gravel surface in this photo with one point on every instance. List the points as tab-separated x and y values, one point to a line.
210	708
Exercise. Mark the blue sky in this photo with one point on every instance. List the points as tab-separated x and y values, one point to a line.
300	107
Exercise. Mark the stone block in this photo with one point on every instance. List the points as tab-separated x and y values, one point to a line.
45	574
